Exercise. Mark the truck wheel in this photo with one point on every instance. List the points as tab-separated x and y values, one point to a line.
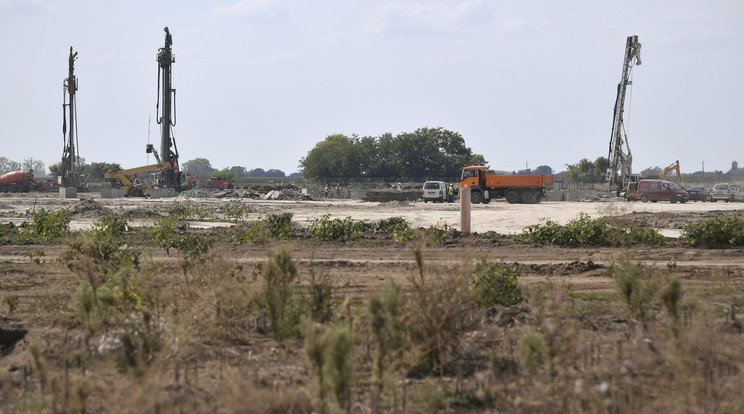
528	197
476	197
486	200
644	198
512	197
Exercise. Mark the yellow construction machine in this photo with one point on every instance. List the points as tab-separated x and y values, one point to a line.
674	167
134	180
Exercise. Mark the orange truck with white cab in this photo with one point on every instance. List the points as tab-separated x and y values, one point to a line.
485	185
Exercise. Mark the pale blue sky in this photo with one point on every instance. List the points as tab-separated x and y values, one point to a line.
259	82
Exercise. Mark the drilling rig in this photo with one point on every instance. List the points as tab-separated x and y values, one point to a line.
70	177
619	160
168	147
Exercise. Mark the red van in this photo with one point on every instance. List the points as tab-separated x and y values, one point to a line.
661	190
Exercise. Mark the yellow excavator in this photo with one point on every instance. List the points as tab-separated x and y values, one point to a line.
674	167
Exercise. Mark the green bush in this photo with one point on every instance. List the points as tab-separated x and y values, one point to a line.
110	225
327	229
495	284
46	226
585	230
438	233
12	302
723	231
189	211
277	226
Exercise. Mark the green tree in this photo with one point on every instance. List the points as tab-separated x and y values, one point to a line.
239	171
333	157
199	167
96	171
587	171
224	174
651	172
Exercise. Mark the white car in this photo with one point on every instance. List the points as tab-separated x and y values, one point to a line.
434	191
727	192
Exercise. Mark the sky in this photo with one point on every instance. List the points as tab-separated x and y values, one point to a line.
260	82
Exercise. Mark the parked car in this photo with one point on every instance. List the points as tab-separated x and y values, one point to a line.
434	191
661	190
727	192
699	193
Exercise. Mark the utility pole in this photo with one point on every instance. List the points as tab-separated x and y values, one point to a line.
168	148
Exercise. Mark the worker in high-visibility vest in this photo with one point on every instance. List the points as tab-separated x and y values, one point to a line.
450	193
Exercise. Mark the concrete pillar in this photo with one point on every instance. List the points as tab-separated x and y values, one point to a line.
67	192
465	210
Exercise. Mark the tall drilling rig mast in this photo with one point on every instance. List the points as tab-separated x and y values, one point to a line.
168	147
70	155
619	160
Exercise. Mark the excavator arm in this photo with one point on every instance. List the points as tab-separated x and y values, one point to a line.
667	170
126	178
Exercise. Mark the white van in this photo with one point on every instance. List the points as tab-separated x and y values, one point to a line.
434	191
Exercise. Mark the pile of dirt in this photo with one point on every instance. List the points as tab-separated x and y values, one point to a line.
87	208
294	194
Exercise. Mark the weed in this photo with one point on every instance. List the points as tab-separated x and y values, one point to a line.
438	312
277	295
320	300
635	288
35	256
495	285
398	227
670	297
12	302
46	226
532	348
724	231
331	352
164	232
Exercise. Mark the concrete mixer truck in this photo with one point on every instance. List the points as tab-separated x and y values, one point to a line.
17	182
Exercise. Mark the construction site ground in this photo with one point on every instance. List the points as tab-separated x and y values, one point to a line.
356	270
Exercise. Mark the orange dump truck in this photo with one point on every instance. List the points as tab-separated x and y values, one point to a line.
485	185
17	182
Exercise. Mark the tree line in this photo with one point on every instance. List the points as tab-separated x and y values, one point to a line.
423	153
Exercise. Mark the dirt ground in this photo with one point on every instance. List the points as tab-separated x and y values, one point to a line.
254	372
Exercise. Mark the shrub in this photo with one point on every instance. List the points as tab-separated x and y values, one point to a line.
495	284
438	233
46	226
110	225
724	231
399	228
278	226
327	229
189	211
585	230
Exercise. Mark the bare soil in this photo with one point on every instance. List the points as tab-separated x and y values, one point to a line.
606	361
